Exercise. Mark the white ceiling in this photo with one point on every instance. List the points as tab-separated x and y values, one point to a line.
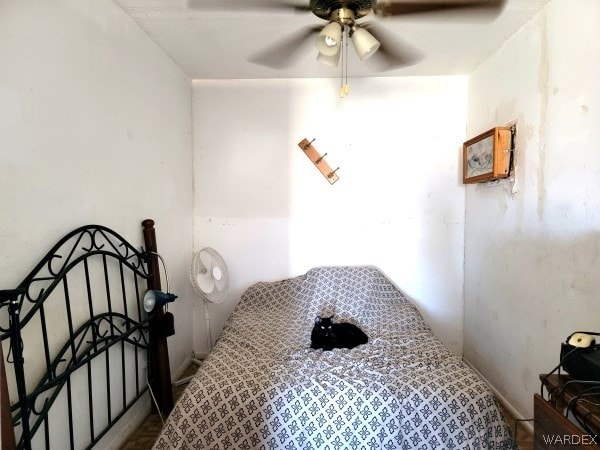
216	44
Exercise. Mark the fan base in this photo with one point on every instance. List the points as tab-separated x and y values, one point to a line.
325	8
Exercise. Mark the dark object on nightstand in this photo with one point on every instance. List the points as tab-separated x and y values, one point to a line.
582	365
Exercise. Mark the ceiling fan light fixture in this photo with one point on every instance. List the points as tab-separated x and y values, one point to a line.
329	39
364	43
329	60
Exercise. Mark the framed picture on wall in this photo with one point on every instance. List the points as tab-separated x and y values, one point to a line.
487	157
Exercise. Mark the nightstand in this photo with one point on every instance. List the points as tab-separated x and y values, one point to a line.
552	430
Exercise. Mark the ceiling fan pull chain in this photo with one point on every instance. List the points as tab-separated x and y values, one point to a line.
344	88
347	88
342	65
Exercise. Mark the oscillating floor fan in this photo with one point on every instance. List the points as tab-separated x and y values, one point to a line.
210	279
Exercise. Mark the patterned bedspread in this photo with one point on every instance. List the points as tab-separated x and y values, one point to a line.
262	387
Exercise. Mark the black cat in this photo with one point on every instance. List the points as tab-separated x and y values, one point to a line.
328	335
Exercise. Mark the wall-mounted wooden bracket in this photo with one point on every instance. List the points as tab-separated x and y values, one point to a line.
318	160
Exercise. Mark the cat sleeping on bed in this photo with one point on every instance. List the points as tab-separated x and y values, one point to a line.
328	335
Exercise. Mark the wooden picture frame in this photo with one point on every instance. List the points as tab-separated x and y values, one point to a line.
487	157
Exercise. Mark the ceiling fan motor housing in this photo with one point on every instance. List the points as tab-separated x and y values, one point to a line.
325	8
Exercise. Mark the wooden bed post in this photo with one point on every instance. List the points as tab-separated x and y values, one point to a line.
159	367
7	432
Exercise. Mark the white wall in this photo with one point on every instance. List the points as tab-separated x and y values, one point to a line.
399	203
532	257
95	127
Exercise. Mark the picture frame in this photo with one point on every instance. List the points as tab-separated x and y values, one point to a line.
486	157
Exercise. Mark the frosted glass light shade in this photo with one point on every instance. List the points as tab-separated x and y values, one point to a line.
364	43
329	60
329	39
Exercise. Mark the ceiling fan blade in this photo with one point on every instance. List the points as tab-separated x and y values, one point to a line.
283	52
485	8
392	54
247	5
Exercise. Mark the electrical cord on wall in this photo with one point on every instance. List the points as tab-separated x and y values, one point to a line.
153	397
166	306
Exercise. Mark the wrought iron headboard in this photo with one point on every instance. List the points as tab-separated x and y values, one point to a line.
103	317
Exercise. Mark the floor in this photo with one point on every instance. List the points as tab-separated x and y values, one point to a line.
524	438
143	438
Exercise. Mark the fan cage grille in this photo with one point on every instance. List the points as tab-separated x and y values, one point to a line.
216	296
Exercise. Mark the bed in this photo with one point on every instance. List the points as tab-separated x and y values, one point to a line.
78	350
263	387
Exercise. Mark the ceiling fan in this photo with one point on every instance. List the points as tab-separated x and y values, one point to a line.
345	21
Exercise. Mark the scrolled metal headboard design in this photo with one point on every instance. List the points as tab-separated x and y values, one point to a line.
93	327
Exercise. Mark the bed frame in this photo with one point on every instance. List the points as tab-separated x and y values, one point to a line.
99	279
